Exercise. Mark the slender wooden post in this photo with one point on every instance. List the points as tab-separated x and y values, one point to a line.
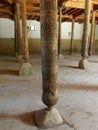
59	32
18	25
86	29
94	37
92	34
26	68
16	37
83	64
72	36
24	32
49	38
17	11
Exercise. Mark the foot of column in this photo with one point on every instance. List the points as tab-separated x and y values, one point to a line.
60	56
26	69
16	54
83	64
48	118
20	59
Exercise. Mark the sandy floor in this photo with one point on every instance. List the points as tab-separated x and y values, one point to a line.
20	97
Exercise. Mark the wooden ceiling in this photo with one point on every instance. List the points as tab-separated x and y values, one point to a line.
70	9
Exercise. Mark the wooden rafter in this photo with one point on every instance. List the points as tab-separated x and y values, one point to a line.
70	9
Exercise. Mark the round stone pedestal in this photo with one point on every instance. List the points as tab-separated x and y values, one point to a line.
26	69
83	64
48	118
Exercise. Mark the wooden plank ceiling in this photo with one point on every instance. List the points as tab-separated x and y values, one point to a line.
70	9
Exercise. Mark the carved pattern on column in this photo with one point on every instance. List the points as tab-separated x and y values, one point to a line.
48	5
46	57
49	35
59	32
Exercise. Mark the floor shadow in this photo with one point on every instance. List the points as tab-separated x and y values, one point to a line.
78	87
69	66
9	72
27	118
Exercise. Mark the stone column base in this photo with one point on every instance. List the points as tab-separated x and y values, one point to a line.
20	59
60	56
83	64
48	118
26	69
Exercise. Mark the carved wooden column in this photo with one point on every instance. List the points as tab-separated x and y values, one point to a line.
60	33
83	64
17	6
49	38
72	36
24	32
92	34
16	35
26	68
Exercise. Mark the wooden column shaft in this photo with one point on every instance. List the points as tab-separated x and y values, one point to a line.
16	34
24	32
59	31
49	40
92	34
86	29
18	26
72	35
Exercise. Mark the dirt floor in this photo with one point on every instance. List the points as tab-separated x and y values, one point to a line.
20	97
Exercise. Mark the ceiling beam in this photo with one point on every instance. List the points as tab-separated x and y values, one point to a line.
7	11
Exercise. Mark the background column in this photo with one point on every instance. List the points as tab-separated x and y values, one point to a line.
26	68
60	33
72	35
16	37
83	64
92	34
17	6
